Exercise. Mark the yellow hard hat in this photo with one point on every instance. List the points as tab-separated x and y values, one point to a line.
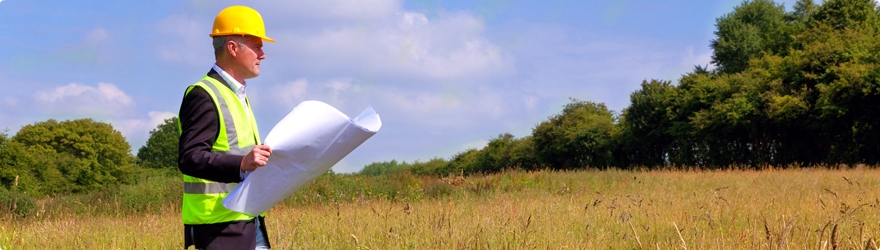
239	20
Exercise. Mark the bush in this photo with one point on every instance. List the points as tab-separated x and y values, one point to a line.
383	168
16	204
581	136
155	189
71	156
433	167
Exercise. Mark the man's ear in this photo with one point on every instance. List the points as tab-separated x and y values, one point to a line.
232	47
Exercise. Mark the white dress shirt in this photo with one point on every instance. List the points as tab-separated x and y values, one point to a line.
236	87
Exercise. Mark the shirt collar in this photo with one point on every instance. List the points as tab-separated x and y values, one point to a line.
236	86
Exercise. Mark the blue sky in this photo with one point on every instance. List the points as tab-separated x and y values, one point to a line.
444	76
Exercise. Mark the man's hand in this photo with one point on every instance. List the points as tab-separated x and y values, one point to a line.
256	158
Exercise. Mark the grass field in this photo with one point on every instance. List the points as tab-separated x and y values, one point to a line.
771	209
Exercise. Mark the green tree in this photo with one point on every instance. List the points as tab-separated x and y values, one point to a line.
847	14
76	156
466	162
16	167
803	10
579	137
506	152
848	90
160	151
646	127
753	28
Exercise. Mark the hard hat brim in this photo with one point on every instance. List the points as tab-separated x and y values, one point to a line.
239	34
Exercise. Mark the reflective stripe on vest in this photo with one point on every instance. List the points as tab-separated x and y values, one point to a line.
203	199
204	188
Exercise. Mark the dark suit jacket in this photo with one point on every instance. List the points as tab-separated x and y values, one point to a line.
200	126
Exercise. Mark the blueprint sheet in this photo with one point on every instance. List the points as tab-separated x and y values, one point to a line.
305	144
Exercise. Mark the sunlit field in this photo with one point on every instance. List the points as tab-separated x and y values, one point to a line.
613	209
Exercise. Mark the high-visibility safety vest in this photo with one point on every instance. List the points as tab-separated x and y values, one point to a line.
203	199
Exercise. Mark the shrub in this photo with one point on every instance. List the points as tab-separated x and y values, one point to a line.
16	204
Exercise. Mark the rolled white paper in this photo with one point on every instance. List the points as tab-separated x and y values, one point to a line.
312	138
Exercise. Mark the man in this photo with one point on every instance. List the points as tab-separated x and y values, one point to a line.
219	141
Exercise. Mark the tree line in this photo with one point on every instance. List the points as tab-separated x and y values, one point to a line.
787	89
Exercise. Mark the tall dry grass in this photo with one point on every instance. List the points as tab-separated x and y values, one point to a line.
774	209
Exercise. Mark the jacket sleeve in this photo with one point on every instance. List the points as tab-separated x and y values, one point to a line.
200	126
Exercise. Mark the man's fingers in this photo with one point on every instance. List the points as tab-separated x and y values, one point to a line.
258	157
262	159
263	153
264	148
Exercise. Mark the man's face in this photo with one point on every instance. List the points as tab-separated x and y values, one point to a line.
247	56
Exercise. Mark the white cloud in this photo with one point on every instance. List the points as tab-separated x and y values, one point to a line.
137	129
157	117
96	36
555	62
418	102
433	71
184	40
412	20
689	60
335	92
330	10
10	101
290	93
83	95
530	102
94	49
403	44
338	86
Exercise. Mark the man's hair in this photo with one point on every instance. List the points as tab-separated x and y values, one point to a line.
220	44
